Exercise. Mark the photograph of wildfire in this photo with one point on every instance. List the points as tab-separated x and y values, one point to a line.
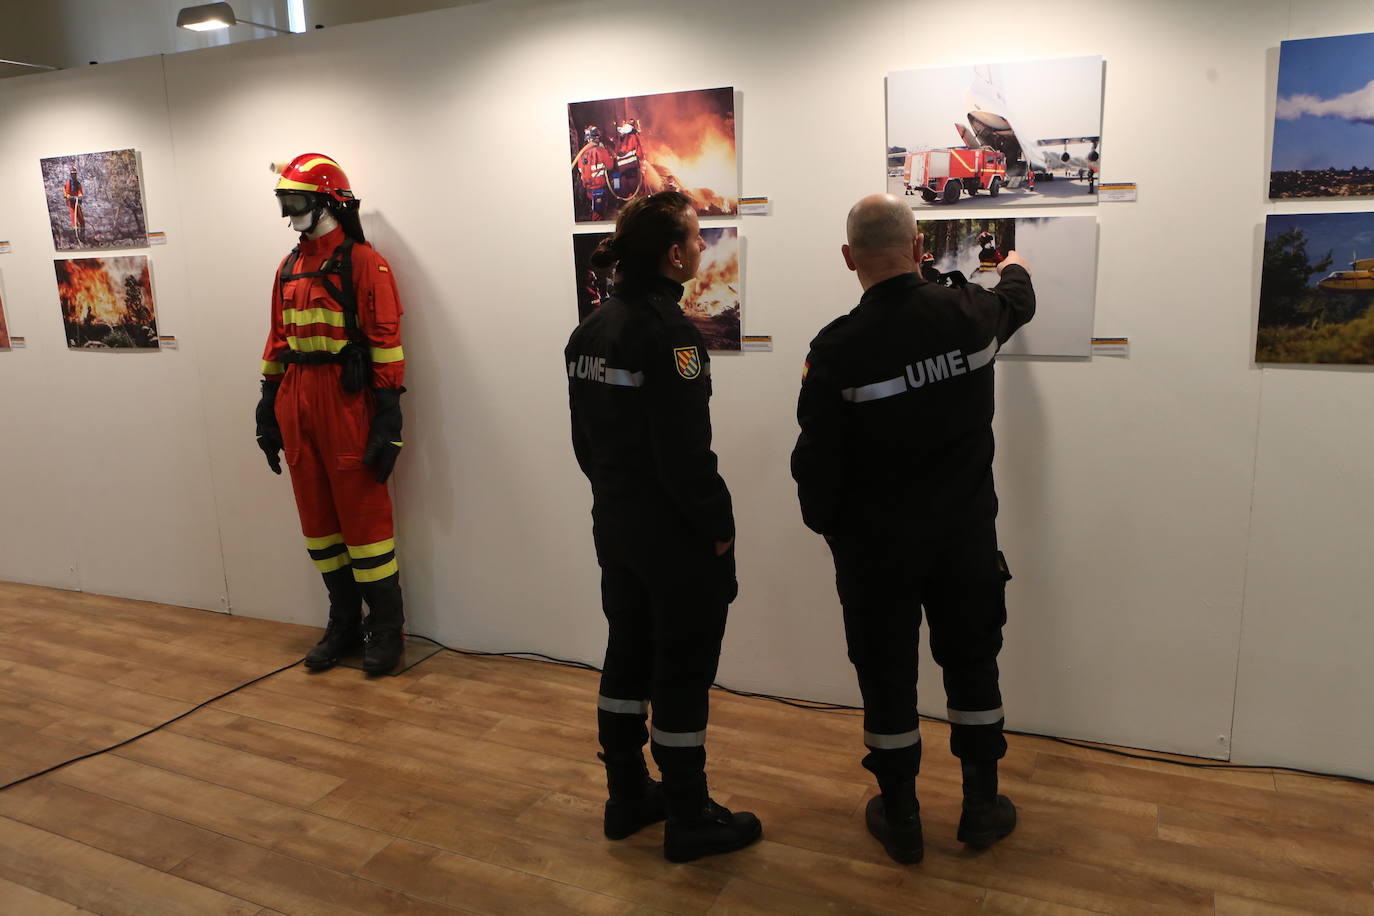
95	200
712	301
4	326
632	147
1062	250
1324	118
107	302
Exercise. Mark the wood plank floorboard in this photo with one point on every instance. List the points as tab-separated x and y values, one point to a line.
470	785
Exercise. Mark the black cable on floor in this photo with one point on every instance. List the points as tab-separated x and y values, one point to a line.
144	734
840	707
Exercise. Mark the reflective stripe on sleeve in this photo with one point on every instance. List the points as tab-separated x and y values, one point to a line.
975	717
624	707
678	739
892	742
624	378
982	357
272	367
388	354
873	392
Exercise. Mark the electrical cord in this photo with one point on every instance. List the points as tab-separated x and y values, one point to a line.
144	734
819	706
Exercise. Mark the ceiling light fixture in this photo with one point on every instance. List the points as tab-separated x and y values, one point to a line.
210	16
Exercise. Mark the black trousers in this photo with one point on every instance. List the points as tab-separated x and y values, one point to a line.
883	583
665	597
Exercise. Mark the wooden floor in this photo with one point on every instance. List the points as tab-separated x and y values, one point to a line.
472	785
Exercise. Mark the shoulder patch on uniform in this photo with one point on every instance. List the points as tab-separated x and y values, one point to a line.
383	268
688	362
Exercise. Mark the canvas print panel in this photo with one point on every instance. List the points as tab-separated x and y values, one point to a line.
712	301
1314	303
631	147
999	135
107	302
4	325
1324	118
1062	253
95	200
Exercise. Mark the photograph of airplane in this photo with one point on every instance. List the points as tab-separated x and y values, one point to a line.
1311	310
1011	134
1324	118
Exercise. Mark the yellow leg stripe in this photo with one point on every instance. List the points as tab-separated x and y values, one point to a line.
303	317
388	354
333	563
322	543
363	551
316	344
374	575
272	368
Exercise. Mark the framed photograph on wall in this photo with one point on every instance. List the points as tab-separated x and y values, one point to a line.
627	148
1006	135
1062	250
1324	118
95	200
107	303
1314	303
712	301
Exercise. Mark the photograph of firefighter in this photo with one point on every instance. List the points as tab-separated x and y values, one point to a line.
628	148
107	303
95	200
1064	249
711	300
998	135
332	373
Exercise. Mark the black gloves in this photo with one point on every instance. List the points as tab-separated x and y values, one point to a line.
384	440
269	434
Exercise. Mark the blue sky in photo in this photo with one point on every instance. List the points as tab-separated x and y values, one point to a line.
1343	234
1325	68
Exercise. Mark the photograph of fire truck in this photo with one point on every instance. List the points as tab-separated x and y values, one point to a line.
1027	133
631	147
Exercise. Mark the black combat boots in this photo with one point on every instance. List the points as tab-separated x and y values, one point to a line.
343	636
697	826
384	628
987	816
636	800
894	819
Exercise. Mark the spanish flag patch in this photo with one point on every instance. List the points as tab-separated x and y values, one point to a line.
383	268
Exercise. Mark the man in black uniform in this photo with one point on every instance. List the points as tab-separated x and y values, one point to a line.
639	382
894	468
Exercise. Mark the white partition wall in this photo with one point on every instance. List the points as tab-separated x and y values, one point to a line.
1185	529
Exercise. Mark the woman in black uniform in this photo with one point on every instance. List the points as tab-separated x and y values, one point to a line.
639	384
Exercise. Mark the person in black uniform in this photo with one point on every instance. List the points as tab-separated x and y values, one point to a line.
894	467
639	382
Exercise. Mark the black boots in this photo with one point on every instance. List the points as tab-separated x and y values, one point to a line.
894	819
987	816
343	636
383	630
697	826
636	801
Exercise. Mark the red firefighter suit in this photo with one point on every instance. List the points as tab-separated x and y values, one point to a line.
345	513
72	192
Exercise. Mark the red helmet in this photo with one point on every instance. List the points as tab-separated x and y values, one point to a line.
319	174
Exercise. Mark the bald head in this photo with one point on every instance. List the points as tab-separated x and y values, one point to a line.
879	223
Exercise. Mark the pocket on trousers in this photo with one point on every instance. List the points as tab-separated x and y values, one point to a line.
348	463
293	457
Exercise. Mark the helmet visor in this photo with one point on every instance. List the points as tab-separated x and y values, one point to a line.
295	203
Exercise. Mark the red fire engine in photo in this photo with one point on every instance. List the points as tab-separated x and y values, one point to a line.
945	173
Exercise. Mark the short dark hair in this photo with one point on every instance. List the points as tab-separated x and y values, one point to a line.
644	232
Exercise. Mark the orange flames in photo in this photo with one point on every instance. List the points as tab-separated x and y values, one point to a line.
687	144
107	301
716	287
